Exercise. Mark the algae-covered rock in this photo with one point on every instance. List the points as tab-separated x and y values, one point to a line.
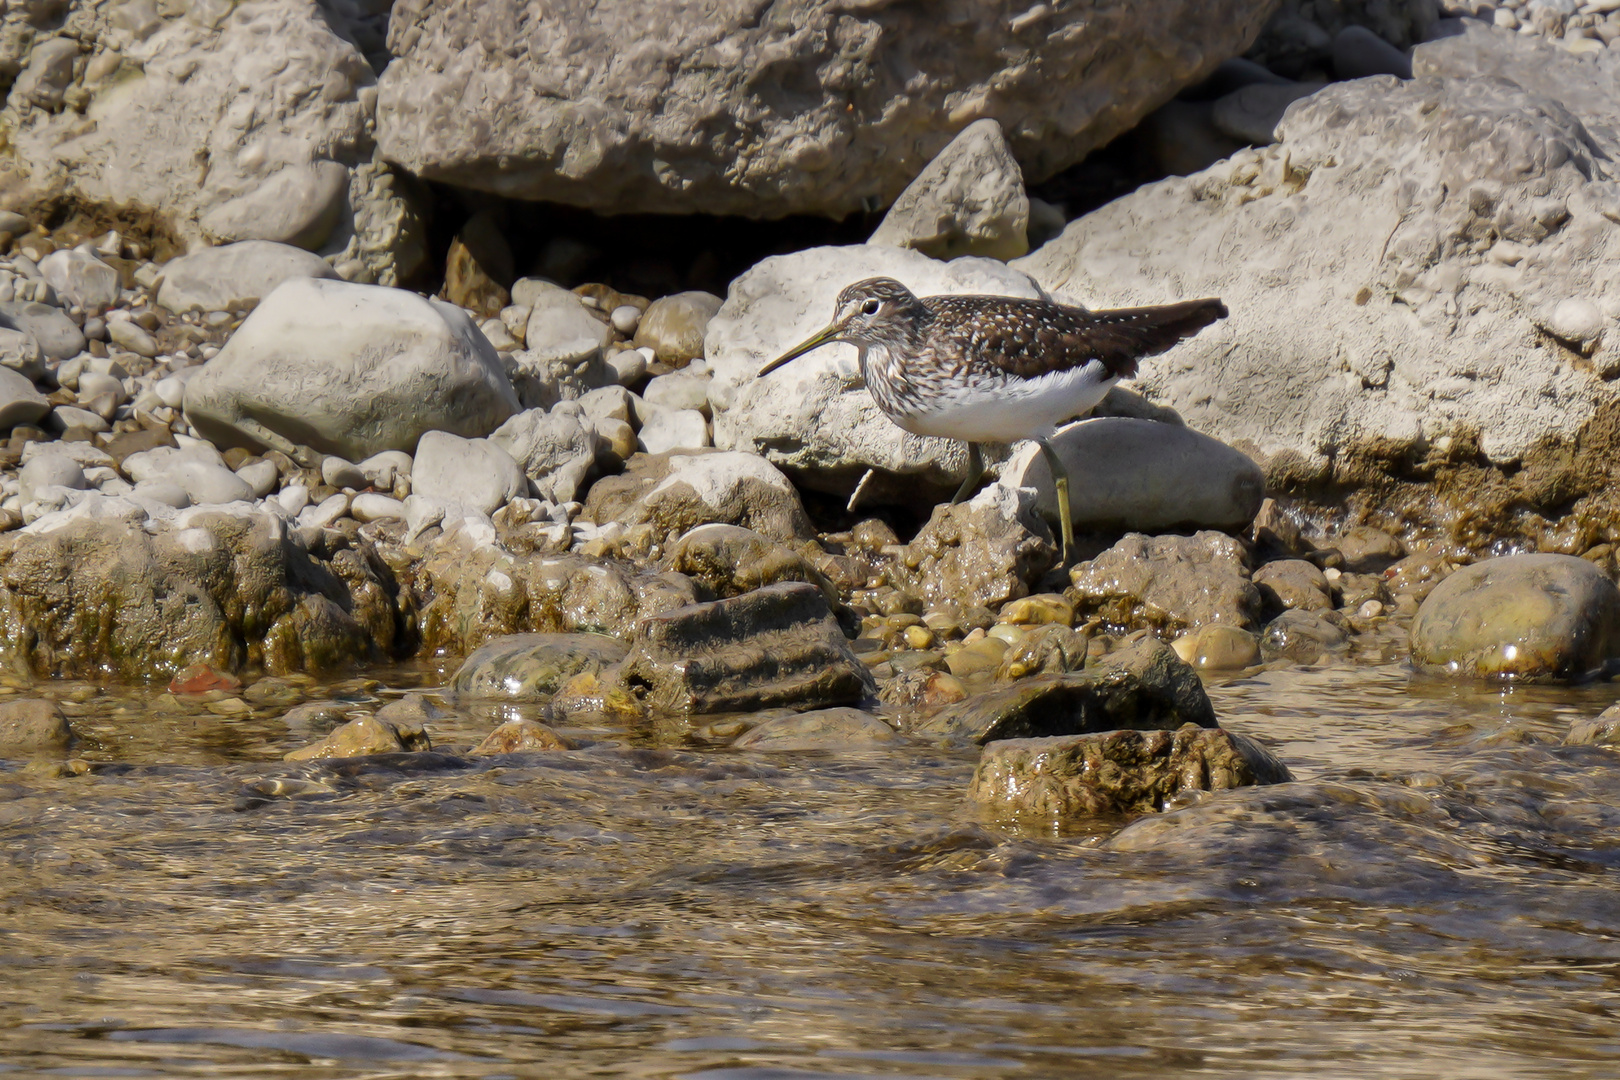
821	729
520	736
1145	687
1301	636
986	551
778	645
1046	650
367	735
1117	772
731	560
1530	617
677	491
528	667
1168	583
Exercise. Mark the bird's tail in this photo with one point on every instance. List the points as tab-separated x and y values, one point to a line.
1148	331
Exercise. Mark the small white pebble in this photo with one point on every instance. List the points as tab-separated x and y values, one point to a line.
626	317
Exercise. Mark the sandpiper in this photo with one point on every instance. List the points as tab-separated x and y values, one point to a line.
996	369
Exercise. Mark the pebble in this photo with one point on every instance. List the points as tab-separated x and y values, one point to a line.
50	470
625	319
371	506
341	473
383	470
70	422
328	511
293	498
629	367
678	390
673	326
127	335
261	476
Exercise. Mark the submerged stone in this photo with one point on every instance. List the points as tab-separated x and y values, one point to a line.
1529	617
528	667
1146	687
1115	772
30	726
778	645
821	729
367	735
520	736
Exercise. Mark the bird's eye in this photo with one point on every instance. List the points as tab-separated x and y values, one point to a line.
870	307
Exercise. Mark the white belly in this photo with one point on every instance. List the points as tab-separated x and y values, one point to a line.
1011	409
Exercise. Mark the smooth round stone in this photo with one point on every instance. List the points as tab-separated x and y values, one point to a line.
823	729
208	483
1301	636
1036	610
628	367
674	429
476	473
127	335
619	435
529	667
381	470
1529	617
261	476
1576	320
293	498
372	506
93	384
625	318
674	326
328	511
59	338
341	473
677	391
48	470
65	418
20	401
163	492
1219	648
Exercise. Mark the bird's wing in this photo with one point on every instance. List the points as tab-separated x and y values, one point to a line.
1030	337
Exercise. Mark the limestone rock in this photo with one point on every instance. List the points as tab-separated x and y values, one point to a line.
81	279
235	276
1143	476
20	402
1524	617
368	735
1145	687
55	334
1251	113
820	729
349	370
30	726
986	551
530	667
1383	309
1117	772
474	473
674	326
300	205
823	106
678	492
556	450
778	645
969	200
1168	583
730	560
814	417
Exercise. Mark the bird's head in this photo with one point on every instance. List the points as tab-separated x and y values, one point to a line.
868	312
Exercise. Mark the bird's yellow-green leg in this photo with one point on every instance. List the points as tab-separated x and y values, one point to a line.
1060	479
975	473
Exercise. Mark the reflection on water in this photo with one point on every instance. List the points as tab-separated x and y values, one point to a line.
1432	897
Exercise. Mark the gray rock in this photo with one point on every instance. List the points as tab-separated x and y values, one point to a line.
349	370
163	492
673	429
20	402
1143	476
235	276
1302	636
873	96
555	450
1145	687
49	470
682	491
1367	550
778	645
128	335
969	200
476	473
820	729
197	470
814	417
1251	114
81	279
298	206
20	352
559	327
1168	583
33	726
1293	583
1358	53
57	336
1520	617
65	418
673	326
1116	772
340	473
531	667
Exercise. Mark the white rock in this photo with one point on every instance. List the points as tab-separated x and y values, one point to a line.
165	492
20	352
969	200
20	402
171	391
628	366
673	429
500	338
293	498
126	334
555	450
728	487
235	276
66	418
199	470
341	473
678	390
625	318
1576	320
350	370
327	512
81	279
607	403
383	469
815	413
93	384
298	205
371	506
1251	113
49	470
261	476
559	327
476	473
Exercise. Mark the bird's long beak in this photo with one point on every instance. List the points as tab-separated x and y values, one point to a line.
816	341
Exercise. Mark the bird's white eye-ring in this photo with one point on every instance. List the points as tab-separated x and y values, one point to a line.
870	307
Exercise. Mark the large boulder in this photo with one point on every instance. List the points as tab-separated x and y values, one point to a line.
349	370
807	107
814	417
197	121
1419	280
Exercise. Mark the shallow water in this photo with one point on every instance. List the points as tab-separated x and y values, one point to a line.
1435	896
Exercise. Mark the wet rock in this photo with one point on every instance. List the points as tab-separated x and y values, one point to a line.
1168	583
1600	730
1293	583
986	551
1301	636
1367	550
349	370
821	729
1530	617
730	560
1117	772
1046	650
368	735
867	114
1417	575
556	450
317	717
1218	648
969	200
30	726
778	645
1143	476
235	276
530	667
813	417
673	326
679	492
520	737
1146	687
922	692
599	697
201	679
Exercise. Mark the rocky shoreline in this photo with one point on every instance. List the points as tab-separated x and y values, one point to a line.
264	458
